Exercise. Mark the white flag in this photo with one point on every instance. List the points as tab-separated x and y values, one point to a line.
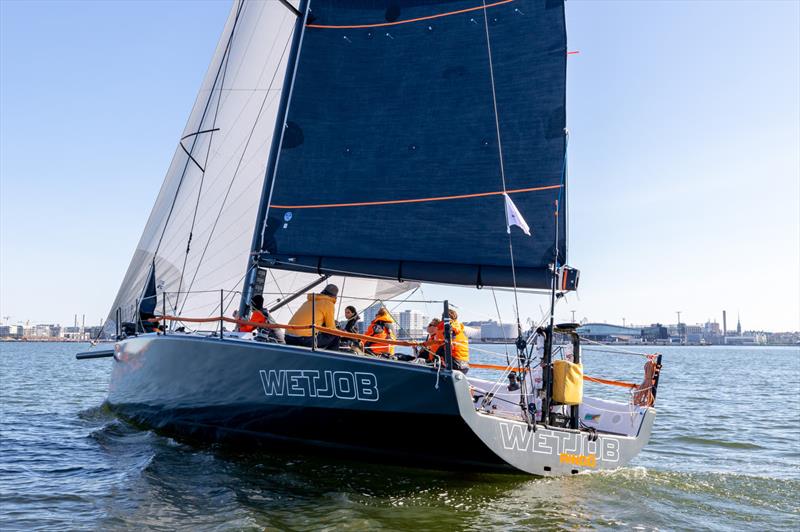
514	217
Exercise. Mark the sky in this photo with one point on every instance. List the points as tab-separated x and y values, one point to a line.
684	157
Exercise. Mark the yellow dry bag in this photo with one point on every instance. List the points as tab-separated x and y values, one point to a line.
567	382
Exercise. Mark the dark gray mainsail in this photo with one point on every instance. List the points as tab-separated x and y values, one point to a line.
402	136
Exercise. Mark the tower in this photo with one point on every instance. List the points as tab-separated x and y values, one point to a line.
724	323
738	325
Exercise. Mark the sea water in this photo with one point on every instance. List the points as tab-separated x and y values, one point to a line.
724	455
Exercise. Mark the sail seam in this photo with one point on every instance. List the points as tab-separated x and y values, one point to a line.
416	200
418	19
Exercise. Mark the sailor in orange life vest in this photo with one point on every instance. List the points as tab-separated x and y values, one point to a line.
324	310
459	345
431	344
259	314
381	327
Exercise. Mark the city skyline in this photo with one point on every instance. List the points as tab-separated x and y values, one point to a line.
368	313
684	171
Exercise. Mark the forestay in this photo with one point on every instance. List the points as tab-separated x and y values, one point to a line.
390	167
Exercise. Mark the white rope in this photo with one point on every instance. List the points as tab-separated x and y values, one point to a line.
500	154
500	321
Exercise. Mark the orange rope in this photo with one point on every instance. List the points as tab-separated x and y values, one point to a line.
384	24
415	200
585	377
262	325
610	382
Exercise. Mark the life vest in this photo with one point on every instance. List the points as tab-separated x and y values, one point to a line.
431	345
257	317
384	332
459	346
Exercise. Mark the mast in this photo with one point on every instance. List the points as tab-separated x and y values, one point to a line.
272	162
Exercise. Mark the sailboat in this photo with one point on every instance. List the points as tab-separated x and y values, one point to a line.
375	146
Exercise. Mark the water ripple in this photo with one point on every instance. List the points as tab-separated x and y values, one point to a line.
715	463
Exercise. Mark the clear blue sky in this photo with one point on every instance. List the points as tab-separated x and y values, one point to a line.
684	154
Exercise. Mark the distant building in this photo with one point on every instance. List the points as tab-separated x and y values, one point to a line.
11	331
368	315
654	333
604	332
412	324
749	338
491	331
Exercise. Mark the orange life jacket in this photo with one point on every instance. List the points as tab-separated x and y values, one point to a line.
431	345
460	343
257	317
386	333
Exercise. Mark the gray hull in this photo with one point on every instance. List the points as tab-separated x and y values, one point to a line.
239	391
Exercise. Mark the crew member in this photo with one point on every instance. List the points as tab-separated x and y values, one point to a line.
382	327
431	343
459	345
324	307
259	315
351	326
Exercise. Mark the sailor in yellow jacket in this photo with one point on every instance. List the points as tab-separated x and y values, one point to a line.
324	307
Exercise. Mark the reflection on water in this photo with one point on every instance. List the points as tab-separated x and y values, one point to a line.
67	462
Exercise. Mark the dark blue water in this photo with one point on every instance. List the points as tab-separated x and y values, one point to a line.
725	455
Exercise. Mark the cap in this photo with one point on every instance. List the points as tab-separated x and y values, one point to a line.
331	290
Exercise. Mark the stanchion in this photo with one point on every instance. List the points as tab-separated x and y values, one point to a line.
221	313
313	322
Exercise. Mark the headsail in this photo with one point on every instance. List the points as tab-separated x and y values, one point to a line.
199	232
198	237
390	164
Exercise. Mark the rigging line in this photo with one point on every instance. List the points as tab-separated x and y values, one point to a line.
202	118
502	167
291	8
404	300
418	200
341	300
500	320
239	164
278	286
226	61
418	19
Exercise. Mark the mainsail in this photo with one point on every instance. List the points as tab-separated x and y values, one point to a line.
402	137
